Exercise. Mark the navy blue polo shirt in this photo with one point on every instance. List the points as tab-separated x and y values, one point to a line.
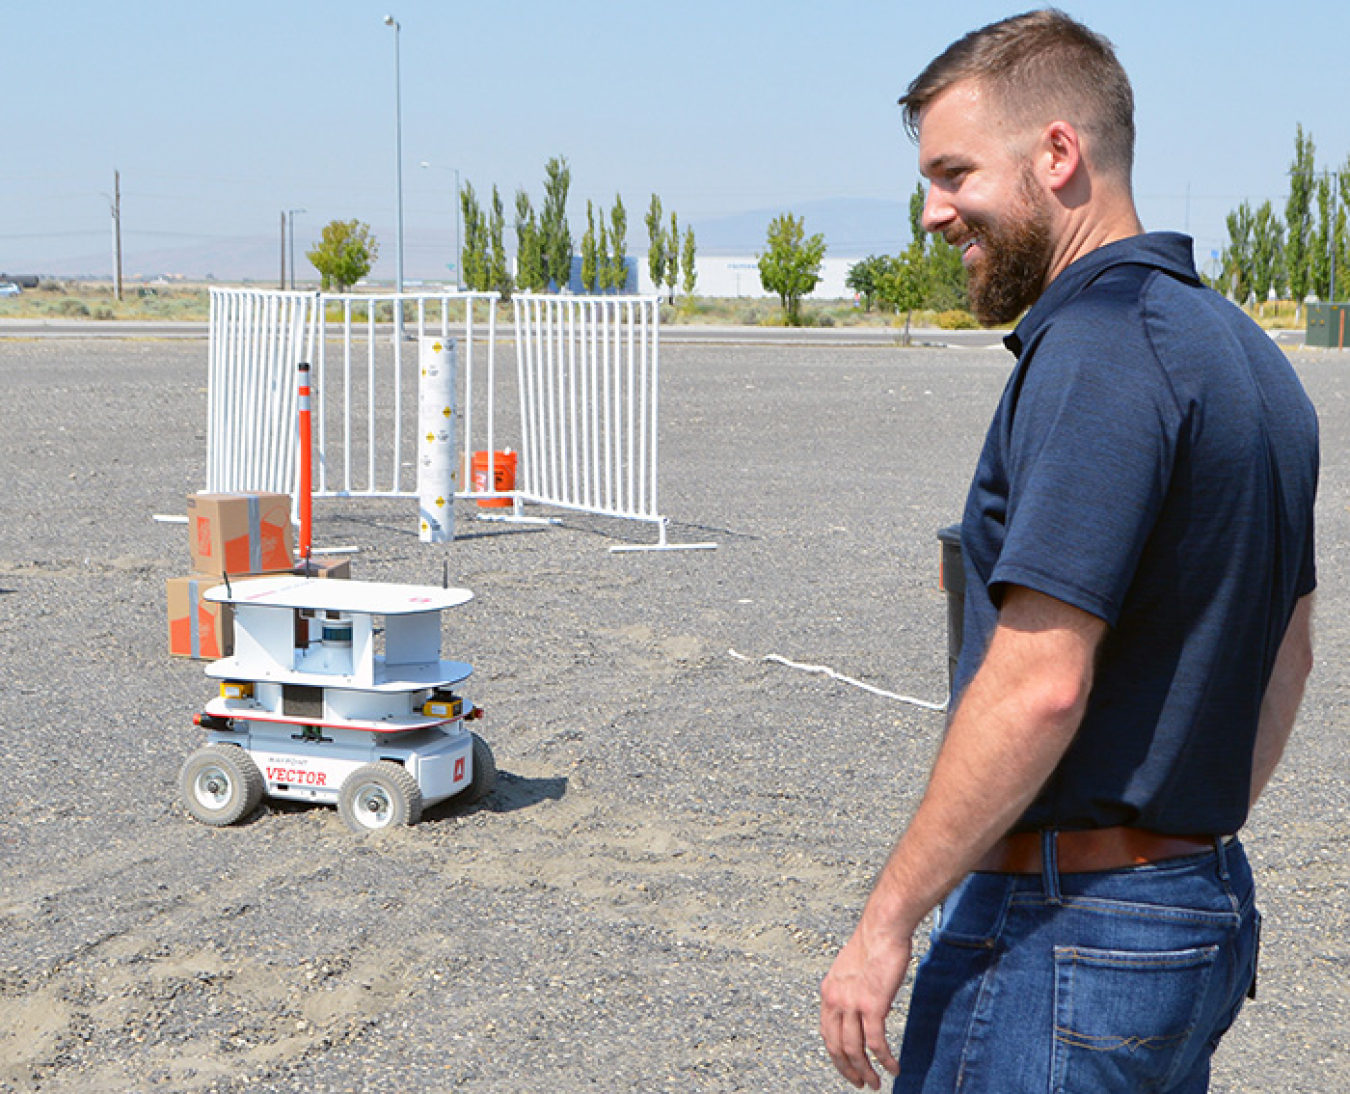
1153	461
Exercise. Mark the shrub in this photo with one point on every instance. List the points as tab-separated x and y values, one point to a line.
956	319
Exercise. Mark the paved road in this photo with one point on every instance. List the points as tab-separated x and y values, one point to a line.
670	332
739	335
95	328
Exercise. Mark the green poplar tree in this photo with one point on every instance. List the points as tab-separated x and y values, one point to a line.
473	258
1298	218
673	256
604	273
618	242
1323	235
687	261
1238	273
590	274
1342	239
1267	259
498	268
529	254
555	238
917	200
656	244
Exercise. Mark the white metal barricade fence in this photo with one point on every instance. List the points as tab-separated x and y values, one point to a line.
367	381
588	371
366	386
587	376
257	339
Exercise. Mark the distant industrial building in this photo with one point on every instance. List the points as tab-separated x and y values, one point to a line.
738	276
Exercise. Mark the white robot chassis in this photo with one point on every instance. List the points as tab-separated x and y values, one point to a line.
319	704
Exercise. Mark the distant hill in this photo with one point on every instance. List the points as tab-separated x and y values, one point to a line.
853	227
243	258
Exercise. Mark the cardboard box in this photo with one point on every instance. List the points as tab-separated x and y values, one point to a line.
325	566
198	628
204	629
239	533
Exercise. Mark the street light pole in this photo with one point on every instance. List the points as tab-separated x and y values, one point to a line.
390	21
458	235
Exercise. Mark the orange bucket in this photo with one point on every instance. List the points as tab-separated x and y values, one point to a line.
504	474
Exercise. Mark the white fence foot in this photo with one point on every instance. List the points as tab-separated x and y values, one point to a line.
662	544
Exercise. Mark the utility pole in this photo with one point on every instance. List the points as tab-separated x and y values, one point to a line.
117	233
282	286
290	216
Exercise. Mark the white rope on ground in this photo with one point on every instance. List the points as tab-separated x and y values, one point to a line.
823	670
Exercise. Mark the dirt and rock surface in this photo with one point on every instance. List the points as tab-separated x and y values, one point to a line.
679	838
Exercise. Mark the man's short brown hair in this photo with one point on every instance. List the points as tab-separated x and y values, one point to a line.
1041	66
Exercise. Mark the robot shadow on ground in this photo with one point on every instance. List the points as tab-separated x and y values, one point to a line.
512	793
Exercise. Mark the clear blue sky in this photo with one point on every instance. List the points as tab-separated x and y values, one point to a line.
221	115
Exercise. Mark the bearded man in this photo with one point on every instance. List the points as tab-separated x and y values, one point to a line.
1138	543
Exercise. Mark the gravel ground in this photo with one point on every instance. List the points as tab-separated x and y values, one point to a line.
679	838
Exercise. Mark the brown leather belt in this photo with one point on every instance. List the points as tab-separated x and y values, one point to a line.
1089	850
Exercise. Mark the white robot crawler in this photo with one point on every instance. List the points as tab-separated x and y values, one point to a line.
319	704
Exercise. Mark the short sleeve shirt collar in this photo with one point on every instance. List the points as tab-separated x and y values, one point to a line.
1167	251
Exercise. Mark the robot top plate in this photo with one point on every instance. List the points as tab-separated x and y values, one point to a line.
328	595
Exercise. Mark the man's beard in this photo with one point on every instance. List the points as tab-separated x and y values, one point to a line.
1010	275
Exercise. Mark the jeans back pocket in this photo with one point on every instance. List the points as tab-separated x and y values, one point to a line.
1127	1020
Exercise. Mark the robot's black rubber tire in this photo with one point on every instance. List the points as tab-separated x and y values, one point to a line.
484	773
377	796
220	784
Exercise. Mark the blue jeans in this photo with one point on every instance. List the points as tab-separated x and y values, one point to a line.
1122	980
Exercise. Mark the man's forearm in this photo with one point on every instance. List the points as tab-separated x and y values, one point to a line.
1284	693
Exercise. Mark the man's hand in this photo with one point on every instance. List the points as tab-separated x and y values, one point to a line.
856	999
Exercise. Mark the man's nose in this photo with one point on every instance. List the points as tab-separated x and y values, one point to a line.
937	210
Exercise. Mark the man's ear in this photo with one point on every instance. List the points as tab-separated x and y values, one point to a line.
1061	154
